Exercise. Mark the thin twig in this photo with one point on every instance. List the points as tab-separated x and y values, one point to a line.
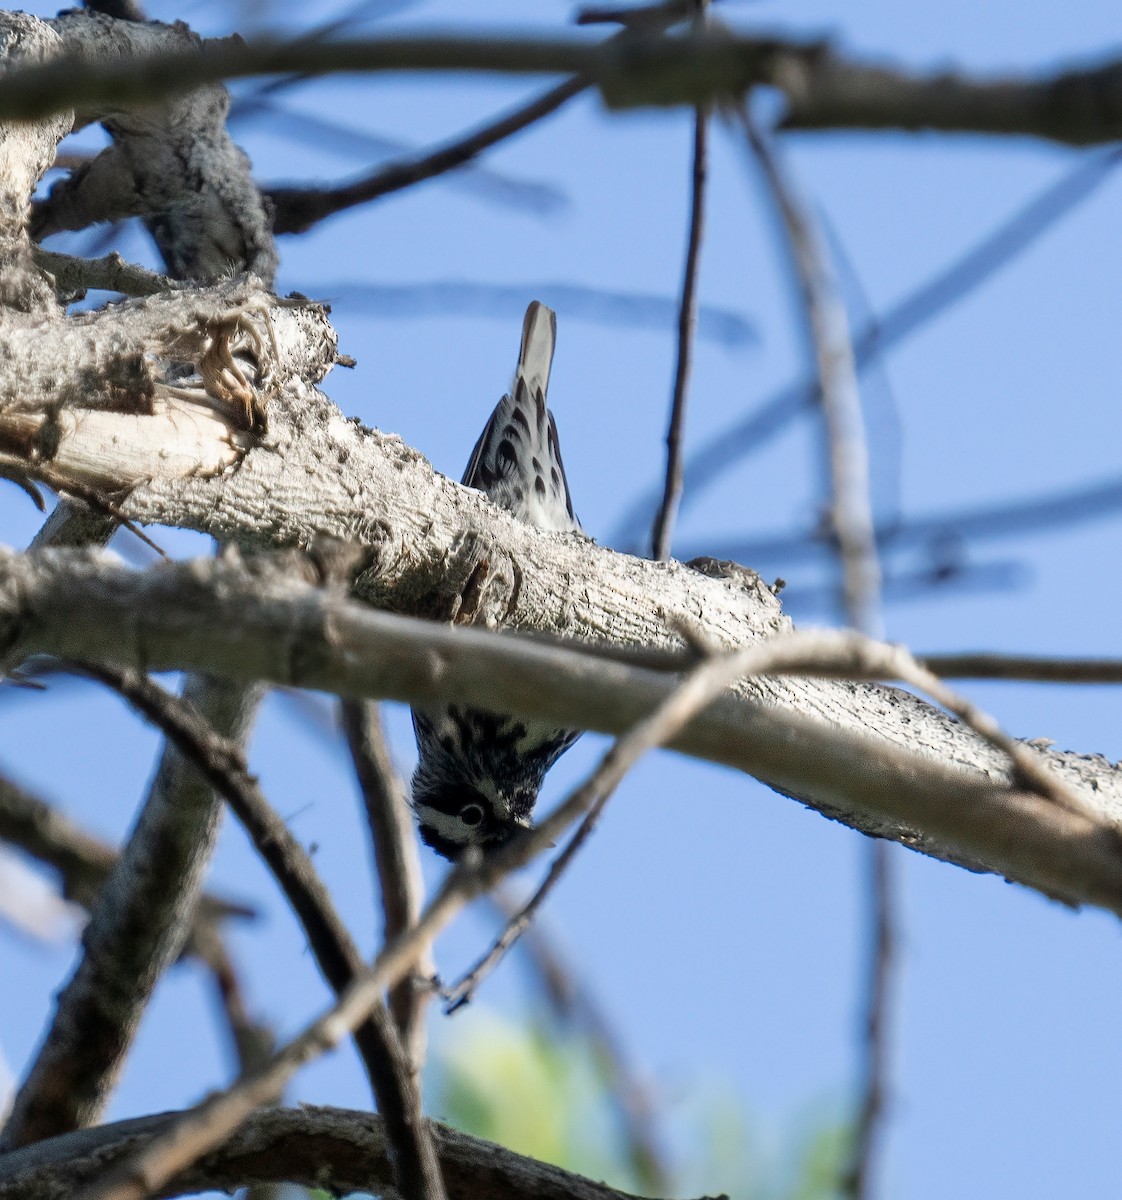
298	209
210	1122
396	861
853	527
252	1040
1028	667
221	763
83	861
975	664
978	263
464	991
574	1006
663	531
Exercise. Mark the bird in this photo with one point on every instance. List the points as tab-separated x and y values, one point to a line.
479	773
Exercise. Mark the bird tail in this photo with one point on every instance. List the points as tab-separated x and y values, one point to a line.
539	336
517	460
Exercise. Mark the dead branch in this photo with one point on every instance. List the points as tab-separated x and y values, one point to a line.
825	89
138	927
211	1122
396	860
907	772
219	761
328	1148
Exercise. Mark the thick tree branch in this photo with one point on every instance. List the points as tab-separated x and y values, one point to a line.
882	760
825	89
328	1148
173	163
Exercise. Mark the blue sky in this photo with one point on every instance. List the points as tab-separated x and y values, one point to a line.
719	923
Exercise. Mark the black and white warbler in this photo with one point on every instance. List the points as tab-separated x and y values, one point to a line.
478	773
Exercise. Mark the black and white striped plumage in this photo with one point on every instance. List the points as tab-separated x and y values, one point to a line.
478	773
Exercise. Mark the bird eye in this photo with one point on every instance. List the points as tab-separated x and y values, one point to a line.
471	814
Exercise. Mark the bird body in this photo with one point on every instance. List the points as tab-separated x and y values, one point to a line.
478	773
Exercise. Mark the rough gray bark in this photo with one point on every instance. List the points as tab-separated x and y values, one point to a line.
26	151
173	163
263	620
436	549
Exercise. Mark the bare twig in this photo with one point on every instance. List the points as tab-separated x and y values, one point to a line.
976	664
111	274
220	762
463	992
211	1122
252	1040
83	862
138	927
574	1007
853	528
663	530
1029	667
969	270
298	209
396	861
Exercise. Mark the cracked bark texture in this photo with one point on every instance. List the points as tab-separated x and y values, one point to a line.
172	163
263	619
433	548
27	149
